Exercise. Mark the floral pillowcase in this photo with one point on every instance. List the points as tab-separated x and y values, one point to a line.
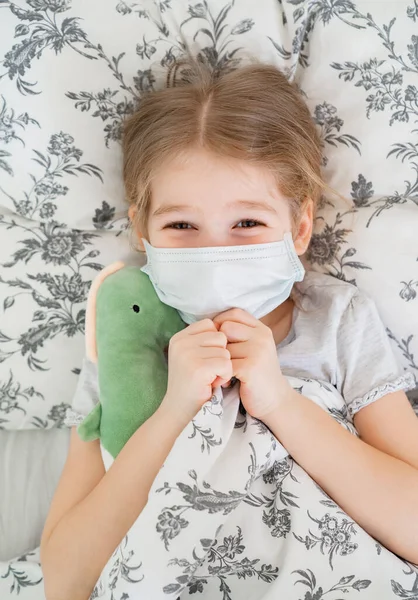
70	72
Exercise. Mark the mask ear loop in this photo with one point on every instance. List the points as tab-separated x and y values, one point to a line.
133	241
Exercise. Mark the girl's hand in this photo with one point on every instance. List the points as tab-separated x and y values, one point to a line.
198	361
254	362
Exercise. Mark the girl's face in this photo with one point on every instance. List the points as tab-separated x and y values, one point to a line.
203	200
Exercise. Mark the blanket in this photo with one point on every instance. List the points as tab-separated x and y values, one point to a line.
231	516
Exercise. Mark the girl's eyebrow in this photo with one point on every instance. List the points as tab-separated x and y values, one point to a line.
255	205
166	209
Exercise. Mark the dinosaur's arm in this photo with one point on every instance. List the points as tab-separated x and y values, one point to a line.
89	429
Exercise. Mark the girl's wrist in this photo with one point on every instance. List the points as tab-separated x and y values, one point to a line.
286	396
170	412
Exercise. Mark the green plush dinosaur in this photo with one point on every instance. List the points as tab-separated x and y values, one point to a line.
128	329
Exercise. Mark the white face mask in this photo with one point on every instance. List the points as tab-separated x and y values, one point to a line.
203	282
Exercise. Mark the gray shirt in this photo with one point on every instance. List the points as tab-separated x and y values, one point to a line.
336	337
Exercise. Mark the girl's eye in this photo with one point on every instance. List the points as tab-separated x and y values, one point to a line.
248	223
178	225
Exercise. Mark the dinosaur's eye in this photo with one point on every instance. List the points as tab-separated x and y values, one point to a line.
136	308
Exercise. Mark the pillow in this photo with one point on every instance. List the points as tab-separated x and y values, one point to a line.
72	71
357	63
31	463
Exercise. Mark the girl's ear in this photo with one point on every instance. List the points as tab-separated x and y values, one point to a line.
304	230
132	215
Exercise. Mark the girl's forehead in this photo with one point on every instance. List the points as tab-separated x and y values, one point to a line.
200	174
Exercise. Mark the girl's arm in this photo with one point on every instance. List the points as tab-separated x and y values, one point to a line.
377	490
390	425
92	510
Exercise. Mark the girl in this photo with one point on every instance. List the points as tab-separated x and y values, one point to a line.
230	163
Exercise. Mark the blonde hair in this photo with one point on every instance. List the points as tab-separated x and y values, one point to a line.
252	114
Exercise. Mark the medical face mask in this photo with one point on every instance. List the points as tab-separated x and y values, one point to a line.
203	282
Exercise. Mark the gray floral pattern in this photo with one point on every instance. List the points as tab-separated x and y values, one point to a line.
63	215
224	562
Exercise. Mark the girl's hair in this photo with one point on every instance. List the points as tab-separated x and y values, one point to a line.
252	113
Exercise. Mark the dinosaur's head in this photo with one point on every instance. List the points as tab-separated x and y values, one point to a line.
127	307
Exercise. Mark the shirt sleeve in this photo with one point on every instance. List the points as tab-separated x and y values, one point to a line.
86	395
366	365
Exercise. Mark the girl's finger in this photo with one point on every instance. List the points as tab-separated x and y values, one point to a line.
238	369
207	339
200	327
236	332
212	352
239	350
238	315
222	370
226	384
219	381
